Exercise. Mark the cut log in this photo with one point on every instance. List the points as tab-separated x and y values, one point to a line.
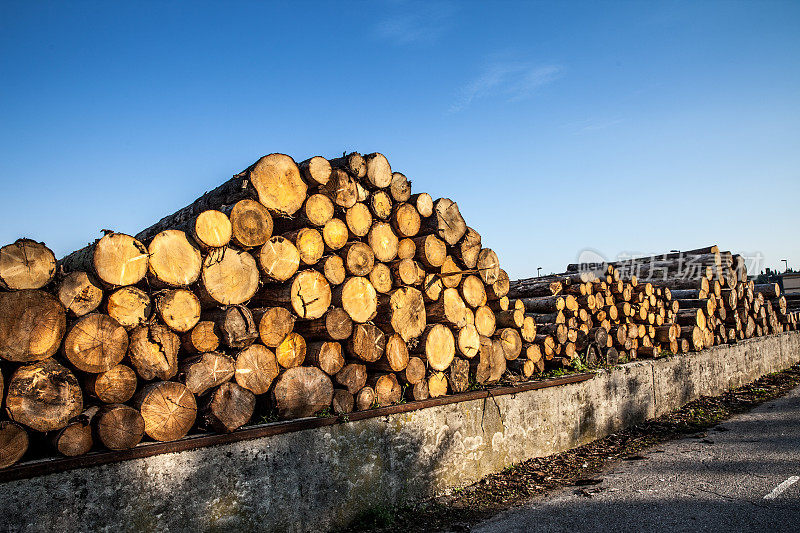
96	343
438	346
432	287
359	258
130	306
291	352
473	291
336	325
115	385
400	188
458	375
251	223
368	343
79	293
406	272
343	402
358	219
13	443
365	399
76	437
381	204
387	389
430	250
168	408
116	259
315	171
32	324
153	351
379	173
335	234
228	407
423	202
44	396
451	273
302	391
383	241
485	321
358	298
437	384
229	277
206	371
179	309
309	243
352	163
352	376
333	269
511	342
406	220
406	249
235	324
26	264
406	313
119	427
468	341
341	189
309	294
279	259
174	261
547	304
255	369
204	337
317	211
381	278
449	308
326	355
446	221
396	353
488	266
499	288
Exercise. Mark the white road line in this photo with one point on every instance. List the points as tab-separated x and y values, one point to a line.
782	487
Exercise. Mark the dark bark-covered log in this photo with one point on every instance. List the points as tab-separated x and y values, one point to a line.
302	391
168	408
44	396
32	324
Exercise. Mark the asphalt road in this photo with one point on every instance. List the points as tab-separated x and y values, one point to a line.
743	475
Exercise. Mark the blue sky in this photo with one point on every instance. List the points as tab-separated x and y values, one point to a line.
620	127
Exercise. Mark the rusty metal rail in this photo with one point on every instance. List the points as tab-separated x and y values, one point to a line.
42	467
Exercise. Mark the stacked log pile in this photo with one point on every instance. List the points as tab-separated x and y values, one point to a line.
288	291
318	288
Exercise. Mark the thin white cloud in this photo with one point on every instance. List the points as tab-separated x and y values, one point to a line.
415	22
510	81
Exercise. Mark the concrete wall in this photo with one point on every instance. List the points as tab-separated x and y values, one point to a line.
318	479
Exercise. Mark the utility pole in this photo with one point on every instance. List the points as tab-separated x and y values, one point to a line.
538	272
